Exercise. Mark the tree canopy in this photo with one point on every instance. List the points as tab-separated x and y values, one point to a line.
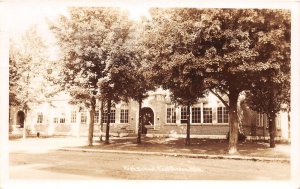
28	64
234	46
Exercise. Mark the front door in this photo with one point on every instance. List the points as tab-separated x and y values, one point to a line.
147	119
20	118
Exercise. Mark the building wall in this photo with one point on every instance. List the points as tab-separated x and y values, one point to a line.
56	119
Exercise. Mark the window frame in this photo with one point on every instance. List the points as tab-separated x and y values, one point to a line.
185	114
222	115
205	116
198	116
112	116
40	118
73	116
124	114
83	114
170	114
97	116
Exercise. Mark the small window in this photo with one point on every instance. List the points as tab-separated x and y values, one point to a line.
183	114
55	120
40	117
171	115
207	115
196	115
124	114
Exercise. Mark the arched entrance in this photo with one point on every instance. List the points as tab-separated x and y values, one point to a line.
20	118
147	118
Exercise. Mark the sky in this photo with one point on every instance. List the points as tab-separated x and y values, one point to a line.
20	16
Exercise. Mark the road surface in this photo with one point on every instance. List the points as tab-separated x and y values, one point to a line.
55	164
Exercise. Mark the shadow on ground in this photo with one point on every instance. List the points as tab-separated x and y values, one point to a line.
198	146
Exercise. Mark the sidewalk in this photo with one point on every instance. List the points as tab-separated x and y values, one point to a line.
199	148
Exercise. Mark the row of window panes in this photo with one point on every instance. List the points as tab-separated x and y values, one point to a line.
83	117
222	113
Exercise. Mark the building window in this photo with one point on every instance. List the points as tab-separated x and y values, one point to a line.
55	120
112	116
171	115
222	113
62	118
73	116
124	114
83	117
207	115
96	116
183	114
260	121
40	117
196	115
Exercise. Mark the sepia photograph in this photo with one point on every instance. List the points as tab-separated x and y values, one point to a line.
150	91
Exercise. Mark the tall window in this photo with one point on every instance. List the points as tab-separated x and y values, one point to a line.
62	118
183	114
112	116
196	115
83	117
207	115
124	114
222	113
73	116
171	115
260	120
40	117
96	116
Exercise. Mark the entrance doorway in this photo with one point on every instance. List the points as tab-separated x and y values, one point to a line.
147	119
20	118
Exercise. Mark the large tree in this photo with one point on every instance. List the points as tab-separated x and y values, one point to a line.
138	76
246	45
271	90
28	65
228	43
87	37
174	66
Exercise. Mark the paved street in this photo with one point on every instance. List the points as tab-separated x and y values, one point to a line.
38	162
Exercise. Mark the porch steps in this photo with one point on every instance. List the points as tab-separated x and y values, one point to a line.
153	131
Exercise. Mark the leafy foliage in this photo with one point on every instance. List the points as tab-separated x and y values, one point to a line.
230	47
28	64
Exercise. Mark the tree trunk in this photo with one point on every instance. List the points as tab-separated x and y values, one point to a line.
233	122
107	122
92	121
272	129
289	124
188	127
101	120
140	122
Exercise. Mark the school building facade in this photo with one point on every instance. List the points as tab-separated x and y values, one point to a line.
209	119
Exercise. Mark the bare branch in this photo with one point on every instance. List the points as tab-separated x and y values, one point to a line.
220	98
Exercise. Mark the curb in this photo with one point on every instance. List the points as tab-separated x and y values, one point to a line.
201	156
